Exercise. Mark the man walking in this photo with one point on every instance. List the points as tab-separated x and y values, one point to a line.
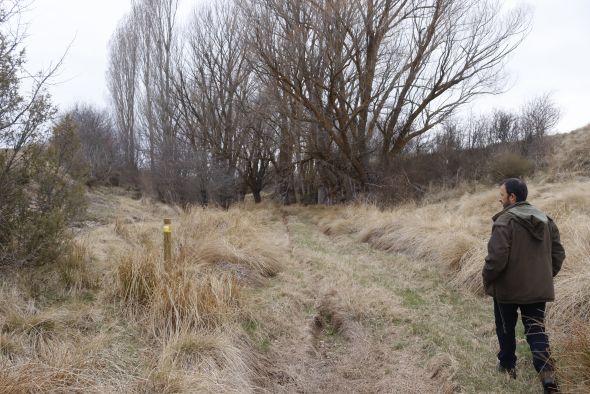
524	254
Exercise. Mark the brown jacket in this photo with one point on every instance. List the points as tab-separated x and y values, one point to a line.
524	254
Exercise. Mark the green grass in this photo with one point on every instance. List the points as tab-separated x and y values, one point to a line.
258	335
250	326
264	345
462	326
411	298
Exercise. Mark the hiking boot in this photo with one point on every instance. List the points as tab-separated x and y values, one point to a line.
548	381
510	371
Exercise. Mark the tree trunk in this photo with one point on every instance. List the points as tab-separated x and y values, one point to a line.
257	196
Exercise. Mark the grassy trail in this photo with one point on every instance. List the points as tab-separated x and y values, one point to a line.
348	318
332	322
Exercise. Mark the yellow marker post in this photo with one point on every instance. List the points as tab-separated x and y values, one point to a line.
167	242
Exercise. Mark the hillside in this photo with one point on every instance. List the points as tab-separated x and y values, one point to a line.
571	153
264	298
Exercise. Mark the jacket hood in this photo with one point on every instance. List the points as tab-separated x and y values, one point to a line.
531	218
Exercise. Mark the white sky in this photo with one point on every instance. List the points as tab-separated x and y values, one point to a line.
555	57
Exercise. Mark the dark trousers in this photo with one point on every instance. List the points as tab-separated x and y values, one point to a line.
533	319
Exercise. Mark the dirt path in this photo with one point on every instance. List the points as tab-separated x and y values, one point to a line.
333	321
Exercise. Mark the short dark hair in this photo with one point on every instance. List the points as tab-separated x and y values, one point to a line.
517	187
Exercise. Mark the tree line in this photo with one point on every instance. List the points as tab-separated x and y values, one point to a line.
487	147
315	101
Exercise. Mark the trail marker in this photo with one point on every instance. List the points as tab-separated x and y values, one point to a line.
167	242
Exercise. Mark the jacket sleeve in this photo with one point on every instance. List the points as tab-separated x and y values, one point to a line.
498	251
557	250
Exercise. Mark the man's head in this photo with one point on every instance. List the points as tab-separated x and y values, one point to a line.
512	190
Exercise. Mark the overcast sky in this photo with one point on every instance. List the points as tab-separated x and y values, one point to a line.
555	56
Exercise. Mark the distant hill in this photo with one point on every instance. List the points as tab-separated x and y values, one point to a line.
571	153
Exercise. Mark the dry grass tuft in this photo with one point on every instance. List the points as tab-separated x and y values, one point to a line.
121	228
346	220
71	274
51	349
331	317
468	275
444	368
75	269
216	253
236	237
138	277
203	361
39	378
572	351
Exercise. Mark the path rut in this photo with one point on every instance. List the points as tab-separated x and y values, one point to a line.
331	321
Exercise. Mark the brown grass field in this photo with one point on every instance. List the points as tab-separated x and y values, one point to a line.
270	299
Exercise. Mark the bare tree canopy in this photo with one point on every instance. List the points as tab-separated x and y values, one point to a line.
328	93
375	74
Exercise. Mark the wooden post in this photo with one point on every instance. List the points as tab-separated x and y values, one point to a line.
167	243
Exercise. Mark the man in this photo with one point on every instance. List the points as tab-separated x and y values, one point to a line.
524	254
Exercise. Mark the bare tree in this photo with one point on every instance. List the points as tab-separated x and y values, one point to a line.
220	101
392	68
98	142
122	82
323	95
155	22
537	118
141	74
259	145
503	128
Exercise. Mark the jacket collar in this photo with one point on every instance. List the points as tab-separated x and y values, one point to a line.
496	216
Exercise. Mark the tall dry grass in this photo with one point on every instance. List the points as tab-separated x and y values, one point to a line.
215	254
572	350
570	154
49	337
191	308
451	236
110	317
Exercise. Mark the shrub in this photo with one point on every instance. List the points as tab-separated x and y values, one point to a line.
39	197
39	180
510	165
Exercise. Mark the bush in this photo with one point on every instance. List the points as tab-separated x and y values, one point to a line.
40	196
510	165
98	146
39	180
